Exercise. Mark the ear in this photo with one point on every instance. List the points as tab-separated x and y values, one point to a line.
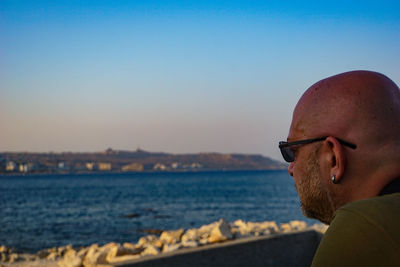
336	158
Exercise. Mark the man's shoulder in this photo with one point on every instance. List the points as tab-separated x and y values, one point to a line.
391	199
381	209
365	233
378	213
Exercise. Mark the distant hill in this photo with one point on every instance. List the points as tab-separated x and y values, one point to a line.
139	160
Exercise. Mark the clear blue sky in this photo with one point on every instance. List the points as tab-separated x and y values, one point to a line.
177	76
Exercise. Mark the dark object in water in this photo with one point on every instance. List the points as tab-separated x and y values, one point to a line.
150	231
132	215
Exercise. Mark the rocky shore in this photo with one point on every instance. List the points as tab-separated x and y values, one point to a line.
147	246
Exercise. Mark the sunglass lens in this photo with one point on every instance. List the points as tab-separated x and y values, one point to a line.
287	154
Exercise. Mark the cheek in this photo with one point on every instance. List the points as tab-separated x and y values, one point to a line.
298	185
304	166
298	175
323	174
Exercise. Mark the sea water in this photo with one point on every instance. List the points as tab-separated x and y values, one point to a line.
42	211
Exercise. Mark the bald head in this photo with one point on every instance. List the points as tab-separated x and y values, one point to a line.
357	104
360	107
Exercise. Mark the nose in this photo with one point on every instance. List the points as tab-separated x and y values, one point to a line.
290	168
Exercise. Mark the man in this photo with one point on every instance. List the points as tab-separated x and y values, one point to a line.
344	153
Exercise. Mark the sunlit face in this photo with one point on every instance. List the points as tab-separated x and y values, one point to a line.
306	169
313	197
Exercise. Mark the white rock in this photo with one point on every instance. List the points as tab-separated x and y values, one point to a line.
13	257
109	246
190	235
171	237
221	232
3	257
171	247
205	230
120	259
147	239
169	241
150	240
285	227
298	225
112	253
150	250
62	250
91	251
82	253
190	244
129	245
75	262
71	259
240	223
320	227
241	229
70	254
52	256
266	232
96	255
119	251
271	226
203	241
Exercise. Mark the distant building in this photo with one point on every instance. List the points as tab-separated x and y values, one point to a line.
104	166
11	166
195	165
26	167
91	166
133	167
63	166
159	167
98	166
176	165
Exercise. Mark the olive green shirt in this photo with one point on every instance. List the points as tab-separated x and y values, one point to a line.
363	233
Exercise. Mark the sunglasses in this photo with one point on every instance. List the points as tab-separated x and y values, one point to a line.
288	152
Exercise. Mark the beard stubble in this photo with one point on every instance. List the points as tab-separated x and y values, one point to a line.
314	200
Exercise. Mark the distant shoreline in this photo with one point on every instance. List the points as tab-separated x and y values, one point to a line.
116	161
133	172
